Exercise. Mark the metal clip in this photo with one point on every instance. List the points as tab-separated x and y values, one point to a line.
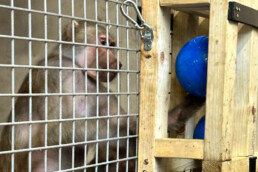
147	36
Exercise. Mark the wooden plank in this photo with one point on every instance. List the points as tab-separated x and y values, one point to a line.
154	85
240	164
201	13
200	7
253	86
220	84
255	110
245	93
169	148
203	28
235	165
191	4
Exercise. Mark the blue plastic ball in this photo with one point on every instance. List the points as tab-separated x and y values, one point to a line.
191	66
200	129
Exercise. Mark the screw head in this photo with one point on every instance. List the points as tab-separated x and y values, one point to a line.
237	8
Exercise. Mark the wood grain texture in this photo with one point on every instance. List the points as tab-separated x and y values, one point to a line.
199	7
245	93
197	4
220	84
256	78
235	165
154	85
251	34
179	148
254	110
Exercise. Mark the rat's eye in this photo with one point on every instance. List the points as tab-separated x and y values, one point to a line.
103	41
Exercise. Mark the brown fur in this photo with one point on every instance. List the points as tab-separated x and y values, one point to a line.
85	106
182	112
38	111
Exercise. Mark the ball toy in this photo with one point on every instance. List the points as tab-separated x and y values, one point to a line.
200	129
191	66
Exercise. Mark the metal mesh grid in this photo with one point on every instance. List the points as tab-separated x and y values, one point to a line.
50	123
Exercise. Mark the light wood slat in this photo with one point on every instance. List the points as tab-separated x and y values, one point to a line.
154	85
179	148
191	4
220	84
235	165
201	13
256	78
200	8
245	93
253	85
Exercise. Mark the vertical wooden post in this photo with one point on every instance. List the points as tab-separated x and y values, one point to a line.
246	89
245	93
231	92
220	87
255	110
154	85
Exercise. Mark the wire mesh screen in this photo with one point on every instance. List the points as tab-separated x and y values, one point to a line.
69	86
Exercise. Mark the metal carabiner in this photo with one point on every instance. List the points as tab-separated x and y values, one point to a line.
137	11
148	34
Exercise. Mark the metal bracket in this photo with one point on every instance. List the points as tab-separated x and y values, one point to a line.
147	39
242	14
252	164
147	36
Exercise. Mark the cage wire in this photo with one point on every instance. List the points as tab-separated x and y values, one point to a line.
46	118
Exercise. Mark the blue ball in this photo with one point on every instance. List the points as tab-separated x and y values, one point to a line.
200	129
191	66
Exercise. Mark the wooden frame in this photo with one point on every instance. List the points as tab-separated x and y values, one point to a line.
154	84
231	103
200	7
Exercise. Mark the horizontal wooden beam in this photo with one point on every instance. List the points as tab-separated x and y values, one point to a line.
190	4
198	7
179	148
236	164
201	13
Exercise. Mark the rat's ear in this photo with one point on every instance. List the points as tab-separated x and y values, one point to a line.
69	29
